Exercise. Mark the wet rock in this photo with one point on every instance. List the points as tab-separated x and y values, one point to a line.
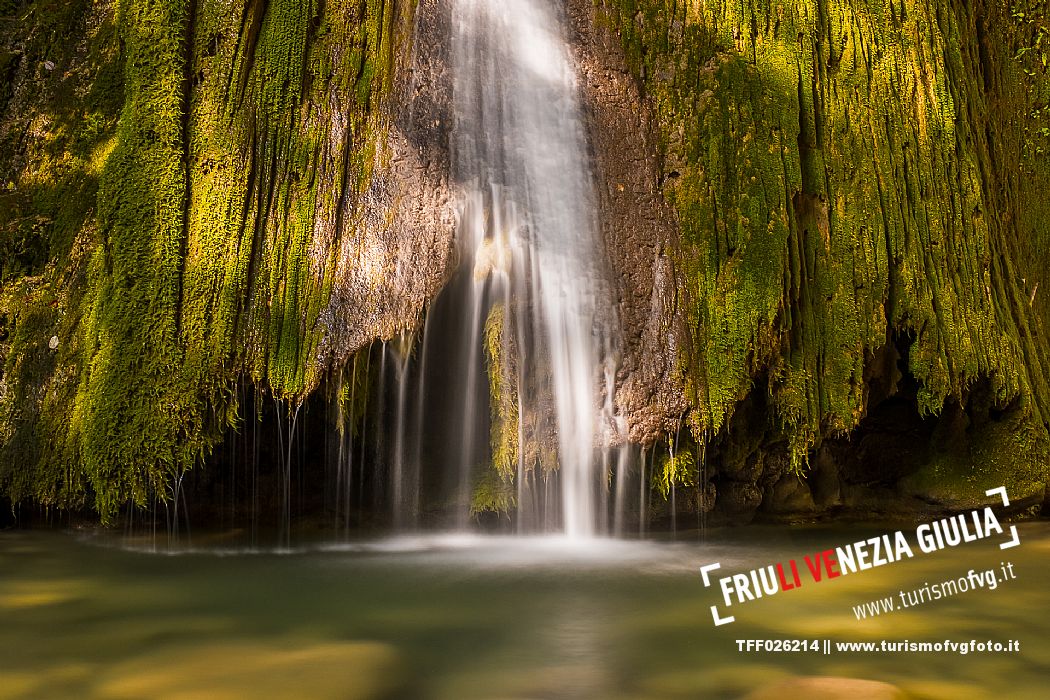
248	669
737	502
824	481
639	229
400	253
789	495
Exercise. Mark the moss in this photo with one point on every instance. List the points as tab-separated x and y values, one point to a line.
492	494
226	148
1007	452
847	172
503	394
132	414
60	103
676	470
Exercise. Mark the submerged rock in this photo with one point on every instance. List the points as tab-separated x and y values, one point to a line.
346	670
828	688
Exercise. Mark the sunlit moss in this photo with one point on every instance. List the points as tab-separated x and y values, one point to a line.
503	395
675	470
835	177
492	493
182	223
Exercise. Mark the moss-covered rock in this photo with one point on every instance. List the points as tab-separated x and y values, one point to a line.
180	180
845	174
837	205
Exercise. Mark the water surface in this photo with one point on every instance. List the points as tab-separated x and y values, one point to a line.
460	617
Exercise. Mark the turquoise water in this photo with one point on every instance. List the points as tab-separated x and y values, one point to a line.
90	616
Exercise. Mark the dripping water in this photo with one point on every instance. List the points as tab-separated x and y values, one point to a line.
400	477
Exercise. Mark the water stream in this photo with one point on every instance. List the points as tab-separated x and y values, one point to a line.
533	282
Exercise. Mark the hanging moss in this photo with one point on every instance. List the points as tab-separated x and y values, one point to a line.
676	470
503	394
61	99
846	172
228	146
492	494
132	413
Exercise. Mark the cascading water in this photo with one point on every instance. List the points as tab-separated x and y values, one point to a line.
529	245
503	402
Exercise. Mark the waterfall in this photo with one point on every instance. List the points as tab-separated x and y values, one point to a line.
403	478
528	236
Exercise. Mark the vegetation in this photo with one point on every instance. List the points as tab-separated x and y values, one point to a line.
848	175
503	396
178	178
675	471
170	216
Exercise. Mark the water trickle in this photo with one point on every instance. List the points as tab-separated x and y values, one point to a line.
403	472
623	461
643	494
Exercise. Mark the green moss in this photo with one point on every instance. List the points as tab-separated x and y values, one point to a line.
51	154
503	395
492	494
132	414
846	173
228	147
676	470
1007	452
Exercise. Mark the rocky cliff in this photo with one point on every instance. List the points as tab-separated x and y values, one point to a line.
861	240
825	220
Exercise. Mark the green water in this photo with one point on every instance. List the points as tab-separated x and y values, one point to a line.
462	618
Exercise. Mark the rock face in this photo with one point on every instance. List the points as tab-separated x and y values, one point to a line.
854	259
825	227
403	251
639	228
